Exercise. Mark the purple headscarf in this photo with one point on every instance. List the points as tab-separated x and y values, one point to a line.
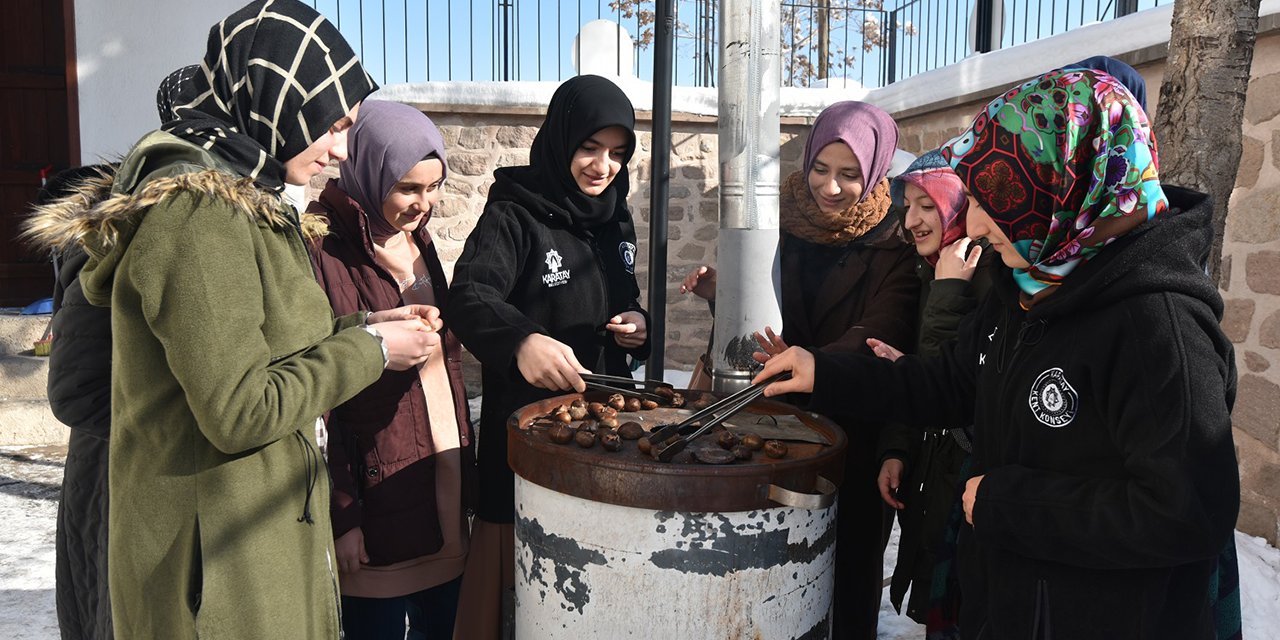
867	129
387	141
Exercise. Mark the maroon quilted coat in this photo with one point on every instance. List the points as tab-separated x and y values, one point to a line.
380	449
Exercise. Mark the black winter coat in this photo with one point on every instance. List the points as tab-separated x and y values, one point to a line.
525	269
79	392
1103	432
933	458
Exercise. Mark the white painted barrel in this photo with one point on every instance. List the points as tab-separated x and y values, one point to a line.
614	544
587	569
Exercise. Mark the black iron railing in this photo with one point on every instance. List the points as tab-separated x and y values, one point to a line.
824	42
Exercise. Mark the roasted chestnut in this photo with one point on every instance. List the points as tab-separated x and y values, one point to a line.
741	452
752	441
631	431
610	441
560	433
775	448
617	402
609	421
577	411
578	402
632	404
608	412
648	405
727	440
666	392
644	445
562	416
713	455
677	400
595	408
587	425
701	403
585	439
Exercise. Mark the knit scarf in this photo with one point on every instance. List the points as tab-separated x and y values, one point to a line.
801	217
275	77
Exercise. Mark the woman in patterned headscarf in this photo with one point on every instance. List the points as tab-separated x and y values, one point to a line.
224	349
1099	384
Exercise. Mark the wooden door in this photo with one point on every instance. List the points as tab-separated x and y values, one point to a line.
39	130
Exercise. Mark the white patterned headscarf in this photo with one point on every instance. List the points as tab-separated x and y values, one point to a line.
275	77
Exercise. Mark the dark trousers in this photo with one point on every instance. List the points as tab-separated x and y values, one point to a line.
860	540
430	614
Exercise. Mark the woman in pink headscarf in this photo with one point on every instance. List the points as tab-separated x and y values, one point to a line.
846	276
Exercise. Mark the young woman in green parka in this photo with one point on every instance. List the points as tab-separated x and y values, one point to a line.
225	351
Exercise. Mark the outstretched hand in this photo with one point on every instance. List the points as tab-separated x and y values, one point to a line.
700	282
629	329
771	342
794	359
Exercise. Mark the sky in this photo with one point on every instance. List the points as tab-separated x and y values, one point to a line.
421	40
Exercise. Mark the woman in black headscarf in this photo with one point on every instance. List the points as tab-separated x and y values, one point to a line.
545	289
224	348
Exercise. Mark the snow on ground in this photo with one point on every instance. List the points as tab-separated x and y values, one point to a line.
30	478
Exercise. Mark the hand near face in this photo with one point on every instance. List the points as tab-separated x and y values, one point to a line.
629	329
547	363
954	263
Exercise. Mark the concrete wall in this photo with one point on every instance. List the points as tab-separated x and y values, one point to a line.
124	48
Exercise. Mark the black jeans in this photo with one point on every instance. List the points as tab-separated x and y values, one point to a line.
430	615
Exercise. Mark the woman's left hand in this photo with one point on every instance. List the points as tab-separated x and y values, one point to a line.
771	342
629	329
429	315
970	497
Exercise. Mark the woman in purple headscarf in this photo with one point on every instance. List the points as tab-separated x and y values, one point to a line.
847	276
397	450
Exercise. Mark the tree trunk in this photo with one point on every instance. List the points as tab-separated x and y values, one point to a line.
822	15
1201	107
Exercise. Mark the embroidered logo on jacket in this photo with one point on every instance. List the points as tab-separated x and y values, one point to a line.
628	253
1053	401
554	276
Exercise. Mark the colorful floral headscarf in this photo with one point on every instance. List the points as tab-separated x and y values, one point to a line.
1064	164
931	173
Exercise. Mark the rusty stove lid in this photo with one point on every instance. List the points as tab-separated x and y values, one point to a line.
631	478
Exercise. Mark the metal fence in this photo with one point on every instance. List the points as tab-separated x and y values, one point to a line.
823	42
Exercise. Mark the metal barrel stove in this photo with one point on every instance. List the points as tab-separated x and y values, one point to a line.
615	544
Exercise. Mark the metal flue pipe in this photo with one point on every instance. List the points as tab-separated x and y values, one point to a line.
749	131
660	165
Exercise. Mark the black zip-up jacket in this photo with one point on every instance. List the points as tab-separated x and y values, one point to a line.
1103	429
525	269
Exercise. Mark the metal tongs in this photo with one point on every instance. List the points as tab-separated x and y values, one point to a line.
625	386
711	416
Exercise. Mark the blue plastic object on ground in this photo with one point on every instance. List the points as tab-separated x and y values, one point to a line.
38	307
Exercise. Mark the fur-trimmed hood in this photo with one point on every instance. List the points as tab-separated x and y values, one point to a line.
103	211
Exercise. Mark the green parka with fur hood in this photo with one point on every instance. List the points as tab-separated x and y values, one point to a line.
225	352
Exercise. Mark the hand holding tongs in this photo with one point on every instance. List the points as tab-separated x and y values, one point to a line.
713	415
625	386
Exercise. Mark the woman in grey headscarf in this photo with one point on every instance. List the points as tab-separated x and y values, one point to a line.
398	449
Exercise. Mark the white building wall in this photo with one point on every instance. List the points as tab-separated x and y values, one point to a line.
124	48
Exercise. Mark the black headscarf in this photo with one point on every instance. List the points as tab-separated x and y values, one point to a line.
275	77
580	107
175	89
1127	75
